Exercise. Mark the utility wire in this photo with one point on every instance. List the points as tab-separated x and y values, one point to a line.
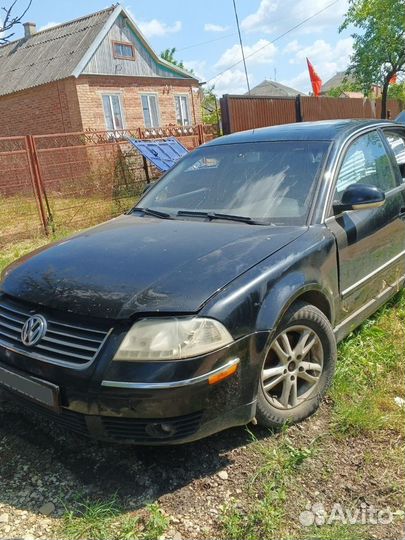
241	46
273	41
205	42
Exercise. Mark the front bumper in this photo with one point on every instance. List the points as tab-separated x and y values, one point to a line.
152	402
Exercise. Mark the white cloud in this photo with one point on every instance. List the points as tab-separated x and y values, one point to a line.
263	53
292	47
154	27
231	82
277	16
326	58
48	25
210	27
198	67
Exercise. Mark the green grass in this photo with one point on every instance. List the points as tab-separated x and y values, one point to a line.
371	373
105	519
337	531
266	515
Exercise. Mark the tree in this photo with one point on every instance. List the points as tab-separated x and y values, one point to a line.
10	20
346	86
379	46
209	105
168	55
397	91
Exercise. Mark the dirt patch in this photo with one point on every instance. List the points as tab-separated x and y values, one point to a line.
192	483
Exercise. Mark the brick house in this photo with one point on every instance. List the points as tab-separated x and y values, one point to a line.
94	73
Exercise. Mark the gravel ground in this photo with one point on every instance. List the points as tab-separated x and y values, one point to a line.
43	470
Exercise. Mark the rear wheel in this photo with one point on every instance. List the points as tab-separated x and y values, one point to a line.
298	368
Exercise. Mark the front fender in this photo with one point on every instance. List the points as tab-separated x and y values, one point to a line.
257	300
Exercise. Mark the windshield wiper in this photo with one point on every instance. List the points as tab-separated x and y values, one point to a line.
152	212
217	215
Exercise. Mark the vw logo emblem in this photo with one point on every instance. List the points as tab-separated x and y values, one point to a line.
33	330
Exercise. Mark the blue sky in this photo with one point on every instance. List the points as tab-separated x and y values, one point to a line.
188	25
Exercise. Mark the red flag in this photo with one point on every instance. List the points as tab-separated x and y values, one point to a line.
316	81
393	79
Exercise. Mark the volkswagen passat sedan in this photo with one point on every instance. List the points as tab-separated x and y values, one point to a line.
221	296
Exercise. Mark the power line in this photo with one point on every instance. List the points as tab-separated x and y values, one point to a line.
241	45
205	42
274	40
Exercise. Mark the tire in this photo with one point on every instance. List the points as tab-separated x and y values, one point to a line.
298	368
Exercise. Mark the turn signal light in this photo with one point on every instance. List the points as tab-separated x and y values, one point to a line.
227	372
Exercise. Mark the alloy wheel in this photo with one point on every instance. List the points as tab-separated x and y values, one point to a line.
293	367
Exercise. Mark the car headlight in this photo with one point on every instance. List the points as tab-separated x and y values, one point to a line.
172	338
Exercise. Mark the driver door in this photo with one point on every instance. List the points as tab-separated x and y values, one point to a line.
370	242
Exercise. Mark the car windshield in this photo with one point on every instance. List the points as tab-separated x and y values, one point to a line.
261	182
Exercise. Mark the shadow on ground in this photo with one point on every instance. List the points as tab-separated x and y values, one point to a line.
39	462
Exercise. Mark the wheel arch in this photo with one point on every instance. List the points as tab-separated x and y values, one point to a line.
281	299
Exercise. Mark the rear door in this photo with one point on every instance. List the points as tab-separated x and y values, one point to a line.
370	242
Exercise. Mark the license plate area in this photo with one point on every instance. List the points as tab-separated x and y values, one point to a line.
42	392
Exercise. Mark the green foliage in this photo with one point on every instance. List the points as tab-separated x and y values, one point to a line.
104	519
346	86
379	43
210	106
169	56
397	91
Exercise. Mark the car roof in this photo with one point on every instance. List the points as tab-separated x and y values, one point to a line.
323	130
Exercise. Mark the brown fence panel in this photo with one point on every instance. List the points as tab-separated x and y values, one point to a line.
247	112
328	108
19	217
394	107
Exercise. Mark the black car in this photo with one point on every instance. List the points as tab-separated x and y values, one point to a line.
221	296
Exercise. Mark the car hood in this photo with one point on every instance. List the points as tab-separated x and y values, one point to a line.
135	265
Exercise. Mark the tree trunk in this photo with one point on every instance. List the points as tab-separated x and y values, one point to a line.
384	97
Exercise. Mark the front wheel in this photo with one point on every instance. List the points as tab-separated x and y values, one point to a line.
298	367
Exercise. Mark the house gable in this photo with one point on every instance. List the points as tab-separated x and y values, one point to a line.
145	62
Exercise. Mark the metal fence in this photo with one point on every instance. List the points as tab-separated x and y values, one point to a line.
248	112
65	181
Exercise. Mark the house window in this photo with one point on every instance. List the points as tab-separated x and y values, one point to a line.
182	110
150	110
123	50
113	111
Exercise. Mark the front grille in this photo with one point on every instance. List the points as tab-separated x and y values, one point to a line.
135	429
63	343
66	420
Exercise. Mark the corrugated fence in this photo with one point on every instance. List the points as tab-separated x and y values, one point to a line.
248	112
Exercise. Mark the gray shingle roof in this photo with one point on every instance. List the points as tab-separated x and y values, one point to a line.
274	89
335	81
49	55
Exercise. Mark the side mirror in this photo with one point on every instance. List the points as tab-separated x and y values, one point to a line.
360	197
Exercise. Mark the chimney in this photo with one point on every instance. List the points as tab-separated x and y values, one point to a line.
30	28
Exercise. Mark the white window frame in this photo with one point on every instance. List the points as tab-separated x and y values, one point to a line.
109	95
181	108
148	95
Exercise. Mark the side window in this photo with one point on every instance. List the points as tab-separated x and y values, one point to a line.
397	143
366	162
